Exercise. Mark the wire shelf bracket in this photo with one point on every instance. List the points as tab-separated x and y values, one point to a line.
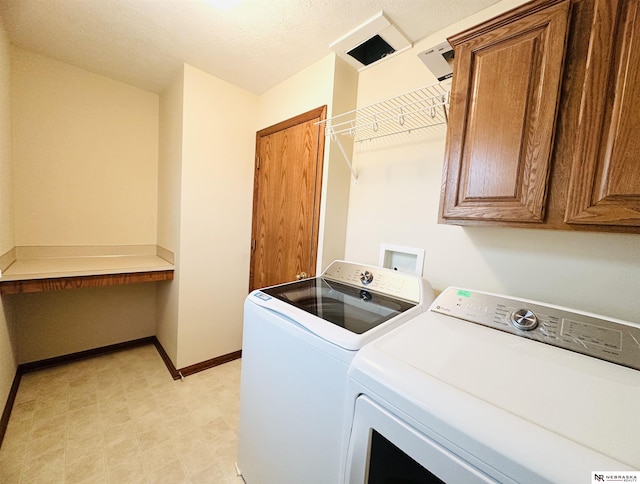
418	109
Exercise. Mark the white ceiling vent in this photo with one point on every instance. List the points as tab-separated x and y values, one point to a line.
370	42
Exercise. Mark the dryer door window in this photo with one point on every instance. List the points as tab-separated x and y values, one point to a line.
372	461
388	463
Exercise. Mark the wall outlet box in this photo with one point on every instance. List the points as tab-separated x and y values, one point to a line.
401	258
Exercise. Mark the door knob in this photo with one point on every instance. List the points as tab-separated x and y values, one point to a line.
301	275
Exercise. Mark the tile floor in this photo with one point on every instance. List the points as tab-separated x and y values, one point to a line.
120	418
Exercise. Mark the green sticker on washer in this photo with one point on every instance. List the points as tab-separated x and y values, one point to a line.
464	293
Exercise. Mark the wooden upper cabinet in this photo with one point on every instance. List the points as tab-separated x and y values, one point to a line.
604	185
504	102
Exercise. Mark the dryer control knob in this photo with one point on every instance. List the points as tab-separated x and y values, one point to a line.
366	277
524	319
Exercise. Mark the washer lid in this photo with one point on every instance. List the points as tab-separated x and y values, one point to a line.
468	382
369	321
350	304
356	310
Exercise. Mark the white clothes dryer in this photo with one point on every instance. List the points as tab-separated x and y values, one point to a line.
490	388
298	341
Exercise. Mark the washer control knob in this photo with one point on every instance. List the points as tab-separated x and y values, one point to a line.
524	319
366	277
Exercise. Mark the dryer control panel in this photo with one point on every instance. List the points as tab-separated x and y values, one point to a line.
590	334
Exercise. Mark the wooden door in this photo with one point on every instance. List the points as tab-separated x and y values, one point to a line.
504	101
286	200
604	186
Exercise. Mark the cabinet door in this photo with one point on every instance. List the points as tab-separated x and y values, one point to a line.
505	93
604	187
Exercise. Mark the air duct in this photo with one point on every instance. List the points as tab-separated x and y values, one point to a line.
371	42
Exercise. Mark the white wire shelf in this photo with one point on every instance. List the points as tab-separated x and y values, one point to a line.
422	108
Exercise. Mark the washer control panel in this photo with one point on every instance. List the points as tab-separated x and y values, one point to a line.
377	279
524	319
608	339
366	277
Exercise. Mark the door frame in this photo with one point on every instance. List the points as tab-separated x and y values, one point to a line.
321	113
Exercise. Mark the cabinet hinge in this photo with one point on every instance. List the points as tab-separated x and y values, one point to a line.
257	162
253	244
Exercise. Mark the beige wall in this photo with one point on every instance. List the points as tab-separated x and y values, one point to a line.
169	207
85	172
337	176
218	147
196	195
207	138
7	354
396	201
85	156
310	88
7	234
62	322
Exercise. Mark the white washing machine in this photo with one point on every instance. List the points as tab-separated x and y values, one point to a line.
489	388
298	341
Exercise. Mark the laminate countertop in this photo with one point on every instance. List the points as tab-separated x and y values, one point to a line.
63	271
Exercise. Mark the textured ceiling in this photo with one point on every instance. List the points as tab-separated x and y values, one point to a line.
255	44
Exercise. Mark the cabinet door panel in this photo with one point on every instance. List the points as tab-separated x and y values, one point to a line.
604	187
504	102
493	147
